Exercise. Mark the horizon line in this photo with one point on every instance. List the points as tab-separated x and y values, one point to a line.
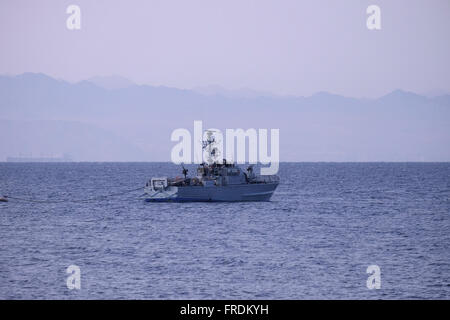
170	162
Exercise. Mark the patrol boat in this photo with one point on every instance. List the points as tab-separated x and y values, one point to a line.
214	182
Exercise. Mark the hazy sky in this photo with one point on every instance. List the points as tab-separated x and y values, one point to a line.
288	47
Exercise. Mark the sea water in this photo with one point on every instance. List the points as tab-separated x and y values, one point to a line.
326	223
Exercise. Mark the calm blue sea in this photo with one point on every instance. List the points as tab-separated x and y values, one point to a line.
326	223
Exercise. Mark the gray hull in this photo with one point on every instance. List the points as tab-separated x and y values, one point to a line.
239	192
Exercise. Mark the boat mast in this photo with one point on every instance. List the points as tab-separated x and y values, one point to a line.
209	146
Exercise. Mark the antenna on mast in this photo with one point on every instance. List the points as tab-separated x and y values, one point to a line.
209	146
185	171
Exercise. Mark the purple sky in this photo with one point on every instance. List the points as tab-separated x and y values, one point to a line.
287	47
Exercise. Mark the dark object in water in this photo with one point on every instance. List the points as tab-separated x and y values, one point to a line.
3	199
214	182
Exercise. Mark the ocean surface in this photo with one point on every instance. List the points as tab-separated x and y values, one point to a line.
326	223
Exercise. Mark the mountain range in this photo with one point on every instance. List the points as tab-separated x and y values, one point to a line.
114	119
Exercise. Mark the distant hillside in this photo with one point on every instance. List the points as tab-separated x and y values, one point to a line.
111	82
136	121
50	137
